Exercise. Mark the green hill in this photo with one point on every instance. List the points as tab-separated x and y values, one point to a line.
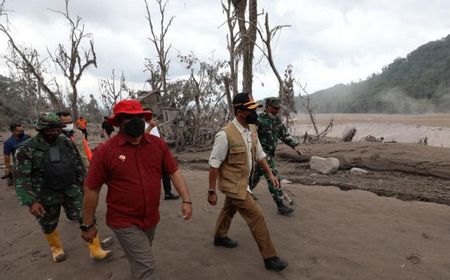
418	83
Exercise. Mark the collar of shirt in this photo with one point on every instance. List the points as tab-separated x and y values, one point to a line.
240	127
122	138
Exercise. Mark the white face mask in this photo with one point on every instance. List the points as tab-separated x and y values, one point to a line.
68	128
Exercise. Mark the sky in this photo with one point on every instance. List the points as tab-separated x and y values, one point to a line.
328	41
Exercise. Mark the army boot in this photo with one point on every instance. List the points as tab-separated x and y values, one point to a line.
56	247
282	208
95	249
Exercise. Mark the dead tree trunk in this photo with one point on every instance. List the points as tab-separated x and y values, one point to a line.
248	39
29	63
71	62
159	40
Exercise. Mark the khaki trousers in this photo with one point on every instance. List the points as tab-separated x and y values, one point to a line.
252	214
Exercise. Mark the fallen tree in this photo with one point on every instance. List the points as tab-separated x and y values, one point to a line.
409	158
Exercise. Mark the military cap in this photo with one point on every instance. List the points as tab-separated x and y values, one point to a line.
273	102
48	120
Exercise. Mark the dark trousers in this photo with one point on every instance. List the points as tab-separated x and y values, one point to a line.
85	133
166	183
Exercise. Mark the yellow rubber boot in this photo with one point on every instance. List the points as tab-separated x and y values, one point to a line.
56	247
96	250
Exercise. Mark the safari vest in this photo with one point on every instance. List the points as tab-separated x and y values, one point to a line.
234	171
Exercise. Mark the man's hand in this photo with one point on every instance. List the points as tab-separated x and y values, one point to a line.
153	123
186	209
89	235
37	210
212	198
274	180
298	150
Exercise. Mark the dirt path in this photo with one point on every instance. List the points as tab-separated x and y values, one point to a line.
332	235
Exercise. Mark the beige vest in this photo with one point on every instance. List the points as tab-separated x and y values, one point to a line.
234	171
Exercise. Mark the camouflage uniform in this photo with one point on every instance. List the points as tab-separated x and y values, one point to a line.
32	156
270	129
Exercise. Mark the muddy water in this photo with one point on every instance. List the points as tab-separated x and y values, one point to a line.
399	128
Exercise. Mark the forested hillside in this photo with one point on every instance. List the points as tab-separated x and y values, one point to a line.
418	83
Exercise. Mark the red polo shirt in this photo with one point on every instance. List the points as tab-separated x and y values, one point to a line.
133	176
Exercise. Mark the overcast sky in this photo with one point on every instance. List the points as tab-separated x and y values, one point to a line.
329	41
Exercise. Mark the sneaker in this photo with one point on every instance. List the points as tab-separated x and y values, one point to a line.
171	196
275	264
225	242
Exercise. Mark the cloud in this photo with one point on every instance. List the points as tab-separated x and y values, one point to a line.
329	41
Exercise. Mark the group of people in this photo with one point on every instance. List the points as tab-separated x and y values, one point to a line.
57	169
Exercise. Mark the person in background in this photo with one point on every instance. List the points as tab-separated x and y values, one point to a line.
77	137
232	162
107	128
50	174
130	164
9	148
81	124
270	130
151	127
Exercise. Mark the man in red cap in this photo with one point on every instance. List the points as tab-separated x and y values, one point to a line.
130	164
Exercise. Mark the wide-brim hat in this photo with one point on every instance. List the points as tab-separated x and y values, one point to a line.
128	107
245	101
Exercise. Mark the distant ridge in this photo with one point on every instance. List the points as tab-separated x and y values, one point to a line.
418	83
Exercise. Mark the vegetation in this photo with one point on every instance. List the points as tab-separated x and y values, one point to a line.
418	83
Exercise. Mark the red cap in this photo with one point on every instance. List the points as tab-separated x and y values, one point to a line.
129	107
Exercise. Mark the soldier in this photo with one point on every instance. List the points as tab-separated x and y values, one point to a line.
270	129
50	174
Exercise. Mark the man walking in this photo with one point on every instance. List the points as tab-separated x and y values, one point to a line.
107	128
77	138
81	124
151	127
131	163
232	162
50	175
270	129
9	148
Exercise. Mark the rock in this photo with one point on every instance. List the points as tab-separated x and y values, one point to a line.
285	181
325	166
358	171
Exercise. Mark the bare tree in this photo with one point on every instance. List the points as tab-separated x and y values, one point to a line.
155	75
231	81
28	64
203	98
310	108
247	30
74	61
285	86
159	40
111	93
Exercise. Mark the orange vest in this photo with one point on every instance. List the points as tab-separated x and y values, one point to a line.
81	124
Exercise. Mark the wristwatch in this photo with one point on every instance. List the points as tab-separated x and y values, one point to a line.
85	227
211	191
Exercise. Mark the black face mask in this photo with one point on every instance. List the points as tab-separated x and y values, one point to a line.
50	138
135	127
21	135
251	118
